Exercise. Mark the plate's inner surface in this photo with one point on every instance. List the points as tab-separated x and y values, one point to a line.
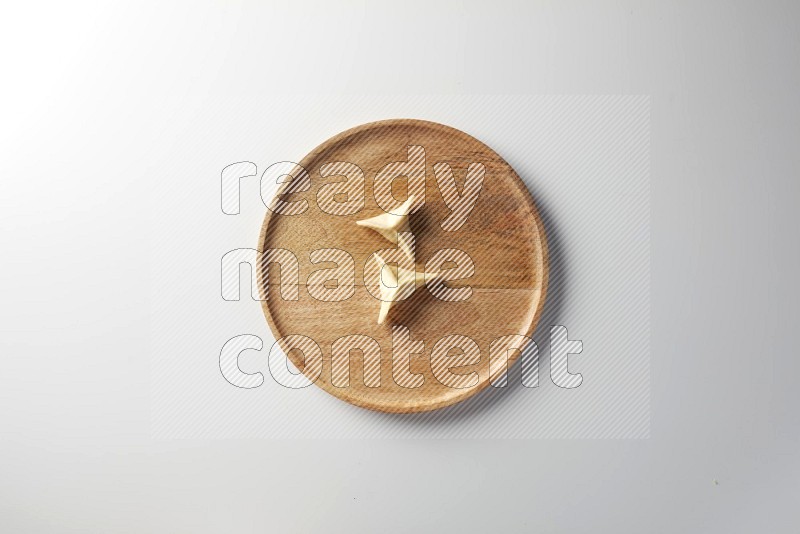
502	235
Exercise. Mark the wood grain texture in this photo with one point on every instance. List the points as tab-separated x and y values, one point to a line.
503	235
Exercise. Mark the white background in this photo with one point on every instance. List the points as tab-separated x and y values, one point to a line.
99	102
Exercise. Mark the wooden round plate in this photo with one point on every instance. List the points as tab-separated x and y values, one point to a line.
503	235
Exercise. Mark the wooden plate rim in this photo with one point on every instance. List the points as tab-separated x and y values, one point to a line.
522	190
